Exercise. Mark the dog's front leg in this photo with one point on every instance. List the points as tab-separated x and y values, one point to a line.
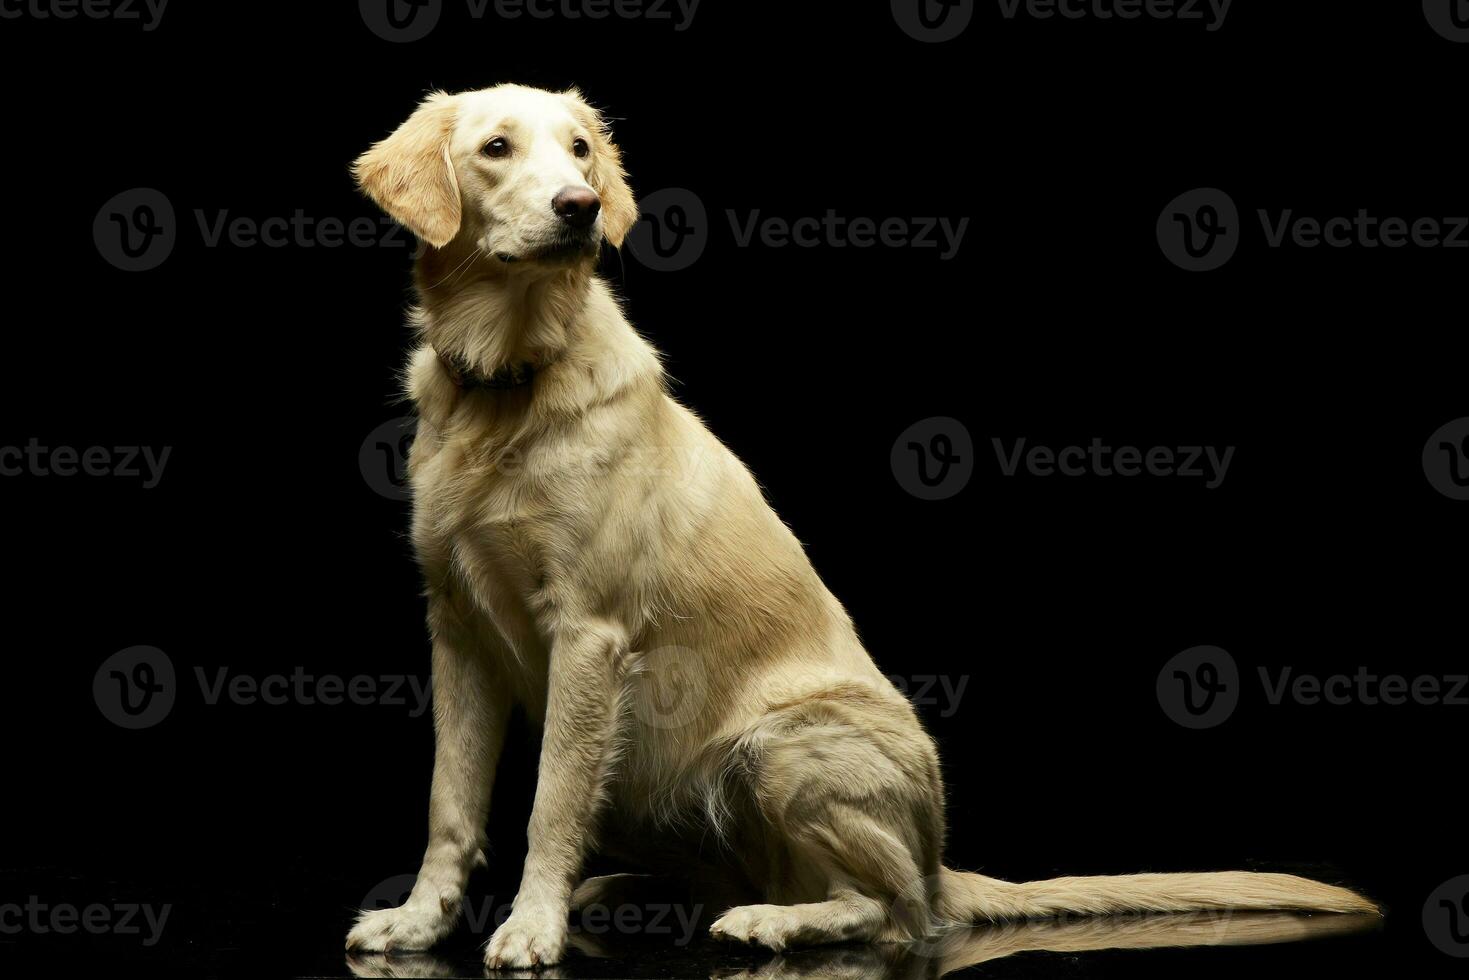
471	710
587	669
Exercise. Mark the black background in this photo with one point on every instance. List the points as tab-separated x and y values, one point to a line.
264	549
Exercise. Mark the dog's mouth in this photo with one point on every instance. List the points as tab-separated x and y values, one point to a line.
562	249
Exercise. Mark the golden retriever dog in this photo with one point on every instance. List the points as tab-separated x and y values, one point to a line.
588	546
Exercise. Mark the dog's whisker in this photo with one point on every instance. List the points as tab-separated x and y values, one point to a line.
458	268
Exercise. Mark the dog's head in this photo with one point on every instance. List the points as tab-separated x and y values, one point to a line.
525	175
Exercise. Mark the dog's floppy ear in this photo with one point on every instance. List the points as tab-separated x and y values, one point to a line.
411	175
608	179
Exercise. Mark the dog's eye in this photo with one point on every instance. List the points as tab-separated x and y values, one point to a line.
579	147
497	147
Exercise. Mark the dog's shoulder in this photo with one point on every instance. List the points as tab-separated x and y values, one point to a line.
426	384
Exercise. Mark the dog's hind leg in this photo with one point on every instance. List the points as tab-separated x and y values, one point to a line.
621	889
855	865
846	916
852	826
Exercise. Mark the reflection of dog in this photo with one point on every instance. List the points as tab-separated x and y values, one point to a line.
962	948
969	947
563	571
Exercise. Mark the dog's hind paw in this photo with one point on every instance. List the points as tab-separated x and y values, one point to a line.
771	926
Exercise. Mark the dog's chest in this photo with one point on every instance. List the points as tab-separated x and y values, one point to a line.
509	524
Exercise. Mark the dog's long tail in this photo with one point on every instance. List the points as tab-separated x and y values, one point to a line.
964	897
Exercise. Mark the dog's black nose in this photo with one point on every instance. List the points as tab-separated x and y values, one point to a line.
577	206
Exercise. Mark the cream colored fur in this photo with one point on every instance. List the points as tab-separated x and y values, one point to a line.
589	548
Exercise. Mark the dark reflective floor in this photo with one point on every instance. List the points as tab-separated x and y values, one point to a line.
287	930
1037	948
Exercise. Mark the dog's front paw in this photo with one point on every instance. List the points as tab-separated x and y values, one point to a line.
381	966
530	938
407	927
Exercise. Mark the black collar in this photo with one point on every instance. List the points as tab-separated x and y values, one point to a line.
509	376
